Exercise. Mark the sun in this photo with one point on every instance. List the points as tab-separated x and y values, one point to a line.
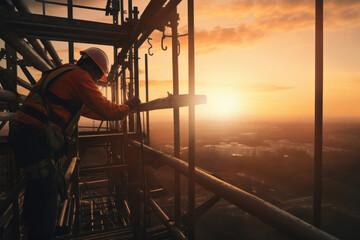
223	104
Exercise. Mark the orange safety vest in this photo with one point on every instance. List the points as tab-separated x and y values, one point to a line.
36	105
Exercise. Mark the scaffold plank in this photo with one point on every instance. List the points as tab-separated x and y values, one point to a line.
173	101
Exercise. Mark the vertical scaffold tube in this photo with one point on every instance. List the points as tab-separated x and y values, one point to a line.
176	114
191	183
71	44
318	112
147	100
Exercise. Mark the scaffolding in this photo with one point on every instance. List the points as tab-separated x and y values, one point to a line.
116	200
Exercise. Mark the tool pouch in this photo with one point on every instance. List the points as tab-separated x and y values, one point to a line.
55	140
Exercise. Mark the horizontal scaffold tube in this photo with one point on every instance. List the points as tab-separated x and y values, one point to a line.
47	44
23	48
9	96
24	84
266	212
173	101
7	116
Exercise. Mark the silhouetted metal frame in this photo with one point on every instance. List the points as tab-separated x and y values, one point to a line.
175	232
47	44
63	29
11	67
28	74
264	211
70	4
21	82
131	88
147	100
318	111
176	112
71	43
23	48
173	101
191	158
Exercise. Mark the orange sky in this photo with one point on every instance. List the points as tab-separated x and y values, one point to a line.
254	59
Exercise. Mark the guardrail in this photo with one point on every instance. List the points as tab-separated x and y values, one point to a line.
264	211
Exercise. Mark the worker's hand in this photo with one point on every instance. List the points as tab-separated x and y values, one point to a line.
133	103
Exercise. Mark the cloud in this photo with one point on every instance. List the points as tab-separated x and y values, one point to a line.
210	40
256	20
243	22
265	87
257	9
218	36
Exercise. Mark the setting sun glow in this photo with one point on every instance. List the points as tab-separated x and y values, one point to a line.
222	104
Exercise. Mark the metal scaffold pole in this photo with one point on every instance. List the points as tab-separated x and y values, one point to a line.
318	112
71	44
147	100
131	71
136	65
176	114
121	11
191	182
47	44
115	85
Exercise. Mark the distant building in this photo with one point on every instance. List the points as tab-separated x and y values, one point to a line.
231	149
273	147
308	148
169	149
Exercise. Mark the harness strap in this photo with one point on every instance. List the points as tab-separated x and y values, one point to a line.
34	113
48	81
43	117
71	125
65	103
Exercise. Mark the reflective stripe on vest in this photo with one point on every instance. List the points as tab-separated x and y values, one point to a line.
41	95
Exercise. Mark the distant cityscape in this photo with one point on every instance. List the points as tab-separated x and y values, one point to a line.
236	149
271	146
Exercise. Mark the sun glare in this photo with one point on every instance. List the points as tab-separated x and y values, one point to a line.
223	104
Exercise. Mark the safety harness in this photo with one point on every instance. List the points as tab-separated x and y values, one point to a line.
54	138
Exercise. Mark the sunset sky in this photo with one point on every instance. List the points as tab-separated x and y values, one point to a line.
254	59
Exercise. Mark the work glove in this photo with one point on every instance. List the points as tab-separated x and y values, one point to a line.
133	103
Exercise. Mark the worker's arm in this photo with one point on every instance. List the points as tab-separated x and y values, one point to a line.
86	112
131	104
97	106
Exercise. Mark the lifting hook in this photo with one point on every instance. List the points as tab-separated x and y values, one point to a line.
162	41
148	40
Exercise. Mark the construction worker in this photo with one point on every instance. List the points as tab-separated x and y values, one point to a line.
49	116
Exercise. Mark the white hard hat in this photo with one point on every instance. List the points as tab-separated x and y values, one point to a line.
100	58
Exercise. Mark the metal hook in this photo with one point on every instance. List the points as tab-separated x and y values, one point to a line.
162	41
148	40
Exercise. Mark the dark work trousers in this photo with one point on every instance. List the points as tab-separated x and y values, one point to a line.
40	198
